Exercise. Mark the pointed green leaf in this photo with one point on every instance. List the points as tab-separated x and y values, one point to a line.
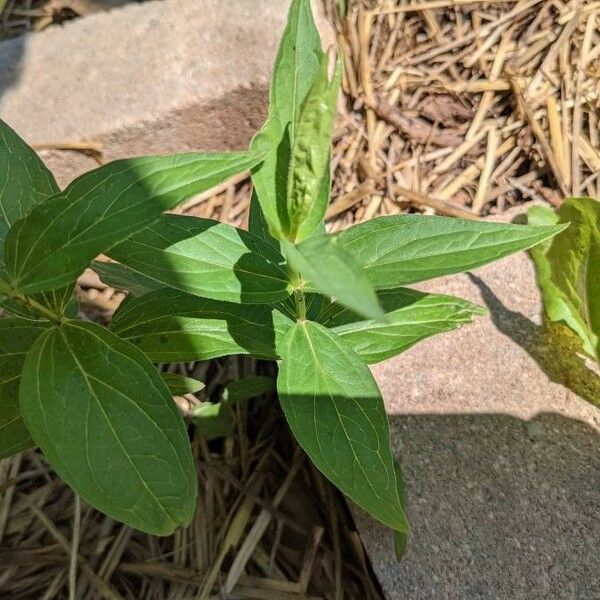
121	277
411	316
257	224
248	387
107	423
400	537
58	239
24	179
311	151
405	249
335	411
180	385
296	67
172	326
568	269
206	258
331	270
213	420
16	338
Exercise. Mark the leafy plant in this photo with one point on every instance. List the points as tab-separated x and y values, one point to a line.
322	305
568	268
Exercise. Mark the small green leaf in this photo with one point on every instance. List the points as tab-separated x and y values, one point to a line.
335	411
16	337
172	326
257	224
311	151
50	247
24	179
296	67
568	269
405	249
331	270
123	278
213	420
107	423
400	537
248	387
206	258
180	385
411	317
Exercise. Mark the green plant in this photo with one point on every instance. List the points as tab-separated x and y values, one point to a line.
568	269
322	305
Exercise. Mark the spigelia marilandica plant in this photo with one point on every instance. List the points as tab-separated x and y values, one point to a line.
324	306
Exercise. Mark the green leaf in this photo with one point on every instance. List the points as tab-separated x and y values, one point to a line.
400	537
311	153
213	420
107	423
405	249
180	385
568	269
257	224
16	338
123	278
58	239
24	179
296	67
24	182
411	317
248	387
172	326
206	258
331	270
335	410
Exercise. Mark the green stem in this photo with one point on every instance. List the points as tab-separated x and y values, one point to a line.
299	298
46	312
300	304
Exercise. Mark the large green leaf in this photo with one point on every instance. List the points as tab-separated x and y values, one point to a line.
331	270
24	182
50	247
172	326
336	412
105	420
405	249
24	179
411	317
568	269
16	338
206	258
296	67
311	151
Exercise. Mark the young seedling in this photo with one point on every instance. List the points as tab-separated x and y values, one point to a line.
323	306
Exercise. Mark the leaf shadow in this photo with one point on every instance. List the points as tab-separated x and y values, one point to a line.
491	494
552	345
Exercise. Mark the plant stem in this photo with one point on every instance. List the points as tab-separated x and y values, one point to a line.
300	304
299	298
46	312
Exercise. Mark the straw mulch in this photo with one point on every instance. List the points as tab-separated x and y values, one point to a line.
268	526
449	107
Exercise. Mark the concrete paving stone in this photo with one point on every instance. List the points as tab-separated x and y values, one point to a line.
501	460
153	77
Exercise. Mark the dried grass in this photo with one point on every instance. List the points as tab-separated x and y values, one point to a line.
268	526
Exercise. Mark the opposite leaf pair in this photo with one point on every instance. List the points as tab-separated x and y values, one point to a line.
322	305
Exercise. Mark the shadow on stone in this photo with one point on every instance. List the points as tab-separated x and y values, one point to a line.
552	345
11	55
500	509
